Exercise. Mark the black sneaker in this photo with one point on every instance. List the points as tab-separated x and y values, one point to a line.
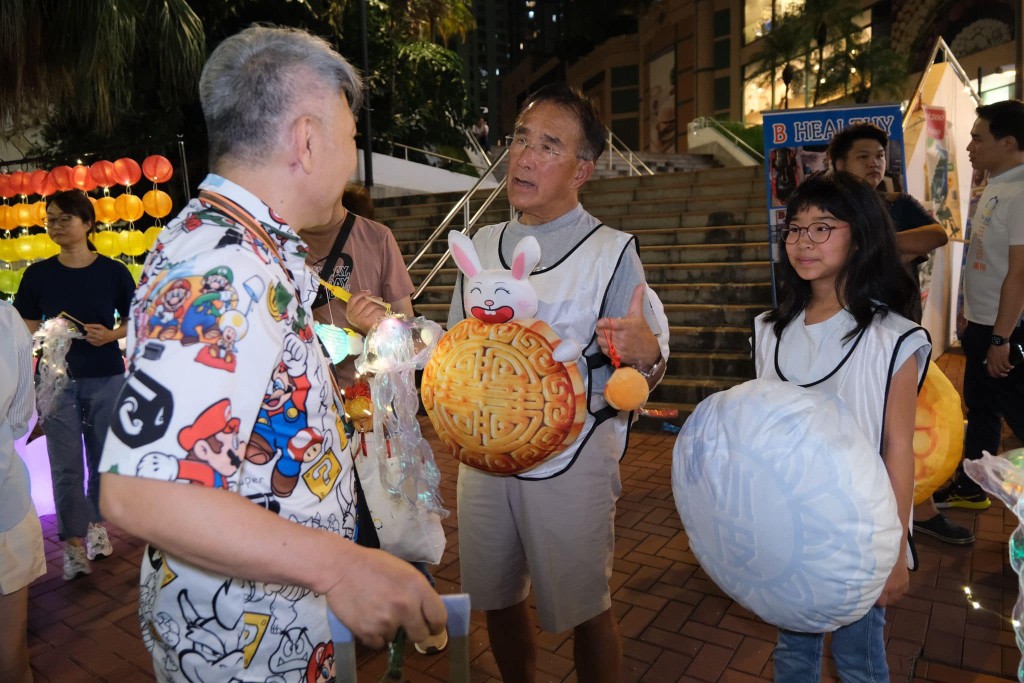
959	495
941	528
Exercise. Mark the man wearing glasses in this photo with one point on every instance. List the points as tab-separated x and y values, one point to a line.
553	526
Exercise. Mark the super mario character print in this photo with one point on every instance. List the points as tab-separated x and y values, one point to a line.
213	450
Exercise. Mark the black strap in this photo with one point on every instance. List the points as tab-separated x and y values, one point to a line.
332	258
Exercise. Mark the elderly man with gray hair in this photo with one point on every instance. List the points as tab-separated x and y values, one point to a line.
226	451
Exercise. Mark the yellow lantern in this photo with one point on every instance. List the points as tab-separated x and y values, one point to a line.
8	250
152	235
107	243
106	210
20	272
136	270
41	247
7	218
25	248
129	207
938	434
8	282
40	211
157	203
50	248
24	215
133	242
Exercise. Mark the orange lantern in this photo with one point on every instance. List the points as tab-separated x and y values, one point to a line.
106	210
21	183
129	207
62	177
40	213
82	179
157	168
5	186
24	215
938	434
102	172
127	171
7	221
157	203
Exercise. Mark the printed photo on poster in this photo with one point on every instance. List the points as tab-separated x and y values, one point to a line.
661	103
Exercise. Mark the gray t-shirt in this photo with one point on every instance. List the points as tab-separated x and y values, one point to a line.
557	239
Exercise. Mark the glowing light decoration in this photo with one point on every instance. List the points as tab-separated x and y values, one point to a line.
54	338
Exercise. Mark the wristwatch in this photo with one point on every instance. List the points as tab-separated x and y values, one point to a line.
653	370
997	340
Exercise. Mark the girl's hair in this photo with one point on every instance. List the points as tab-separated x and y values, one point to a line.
873	279
76	203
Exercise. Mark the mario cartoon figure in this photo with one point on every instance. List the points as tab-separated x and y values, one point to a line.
283	411
305	446
165	321
213	445
320	668
200	320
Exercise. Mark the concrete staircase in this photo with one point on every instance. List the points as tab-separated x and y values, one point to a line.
614	166
703	241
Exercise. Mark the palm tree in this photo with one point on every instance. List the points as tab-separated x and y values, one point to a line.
425	20
76	60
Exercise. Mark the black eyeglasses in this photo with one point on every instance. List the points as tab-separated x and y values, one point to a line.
816	232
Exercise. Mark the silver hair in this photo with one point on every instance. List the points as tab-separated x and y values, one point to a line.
252	80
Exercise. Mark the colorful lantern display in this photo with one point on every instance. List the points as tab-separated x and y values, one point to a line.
129	207
157	168
157	203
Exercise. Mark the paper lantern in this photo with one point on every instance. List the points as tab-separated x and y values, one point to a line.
157	203
106	210
82	179
5	186
39	208
157	168
21	183
24	215
127	171
133	242
136	270
129	207
8	281
786	504
47	186
8	250
63	178
35	181
25	248
7	221
152	234
102	172
49	248
938	434
107	243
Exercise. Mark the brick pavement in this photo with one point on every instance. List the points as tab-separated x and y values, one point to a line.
676	624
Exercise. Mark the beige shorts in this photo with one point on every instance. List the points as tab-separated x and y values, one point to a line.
558	534
21	553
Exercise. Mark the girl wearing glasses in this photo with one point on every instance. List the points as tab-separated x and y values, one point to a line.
842	327
88	288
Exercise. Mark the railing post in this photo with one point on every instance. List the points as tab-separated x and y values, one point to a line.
466	216
610	148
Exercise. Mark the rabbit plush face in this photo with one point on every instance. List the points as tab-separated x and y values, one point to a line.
497	295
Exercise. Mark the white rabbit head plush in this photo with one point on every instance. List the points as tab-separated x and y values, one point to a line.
498	295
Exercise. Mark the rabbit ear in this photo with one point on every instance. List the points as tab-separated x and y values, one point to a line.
464	253
525	257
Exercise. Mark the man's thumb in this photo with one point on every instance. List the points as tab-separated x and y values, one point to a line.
636	304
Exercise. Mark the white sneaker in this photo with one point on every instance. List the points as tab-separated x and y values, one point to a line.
97	544
75	561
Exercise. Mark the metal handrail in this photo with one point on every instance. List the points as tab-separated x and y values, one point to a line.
463	202
709	122
427	152
613	149
947	54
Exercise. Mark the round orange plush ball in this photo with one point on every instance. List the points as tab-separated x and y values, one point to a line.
626	389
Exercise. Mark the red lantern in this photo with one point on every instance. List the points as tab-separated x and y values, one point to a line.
82	179
48	186
103	173
127	171
36	180
21	183
5	186
157	168
62	176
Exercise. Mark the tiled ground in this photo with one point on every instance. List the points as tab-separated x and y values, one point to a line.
676	625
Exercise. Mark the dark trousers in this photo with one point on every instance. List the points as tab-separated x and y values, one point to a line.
989	400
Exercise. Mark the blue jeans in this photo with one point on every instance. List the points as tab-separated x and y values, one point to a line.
858	651
82	411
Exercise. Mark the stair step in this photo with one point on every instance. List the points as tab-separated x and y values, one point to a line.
703	253
685	390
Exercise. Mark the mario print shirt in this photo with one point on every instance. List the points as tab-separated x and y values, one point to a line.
228	388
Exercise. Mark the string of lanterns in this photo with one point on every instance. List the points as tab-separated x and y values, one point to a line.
23	215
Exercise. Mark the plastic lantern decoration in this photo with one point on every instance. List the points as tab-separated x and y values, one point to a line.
129	208
25	247
127	171
8	281
136	270
133	242
36	179
81	179
803	541
49	248
8	250
938	434
157	168
24	215
106	210
47	186
107	243
156	203
21	183
7	221
102	172
39	209
62	177
5	186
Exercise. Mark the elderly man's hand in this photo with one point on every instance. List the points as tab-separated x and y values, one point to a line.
378	593
631	336
363	311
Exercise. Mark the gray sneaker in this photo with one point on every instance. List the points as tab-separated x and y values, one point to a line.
75	561
97	543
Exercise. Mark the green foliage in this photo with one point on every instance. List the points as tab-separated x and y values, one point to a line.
752	135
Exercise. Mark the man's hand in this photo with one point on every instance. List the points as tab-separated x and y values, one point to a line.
631	336
98	335
363	311
897	583
377	594
961	325
997	361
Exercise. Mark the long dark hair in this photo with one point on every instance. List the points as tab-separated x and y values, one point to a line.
873	281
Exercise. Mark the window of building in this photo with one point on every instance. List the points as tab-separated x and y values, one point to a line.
625	100
757	16
722	53
720	21
625	76
722	94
